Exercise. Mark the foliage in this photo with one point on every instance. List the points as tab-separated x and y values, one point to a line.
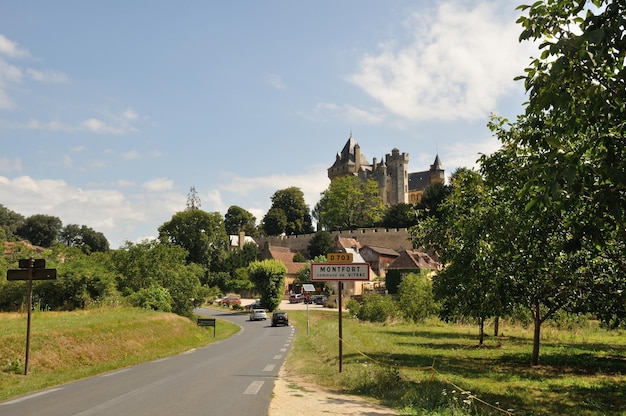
238	219
289	214
139	266
298	258
575	118
321	244
200	233
193	200
416	301
377	308
41	230
432	198
155	298
10	222
268	277
349	203
86	238
400	215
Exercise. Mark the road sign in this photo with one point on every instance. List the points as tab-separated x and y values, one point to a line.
38	274
339	257
34	263
340	271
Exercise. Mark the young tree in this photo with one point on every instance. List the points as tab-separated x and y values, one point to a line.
349	203
416	301
288	214
268	277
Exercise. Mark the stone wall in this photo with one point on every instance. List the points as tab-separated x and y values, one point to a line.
394	238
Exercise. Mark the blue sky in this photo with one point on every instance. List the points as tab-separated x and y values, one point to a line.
111	111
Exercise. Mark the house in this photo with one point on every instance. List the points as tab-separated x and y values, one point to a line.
379	258
236	242
285	255
409	261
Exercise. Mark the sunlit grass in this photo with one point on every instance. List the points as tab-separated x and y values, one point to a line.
421	369
66	346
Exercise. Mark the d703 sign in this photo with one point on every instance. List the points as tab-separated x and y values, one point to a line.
340	271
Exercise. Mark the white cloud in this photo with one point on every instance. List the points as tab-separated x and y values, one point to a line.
131	155
130	114
11	165
47	76
456	66
276	81
12	49
159	185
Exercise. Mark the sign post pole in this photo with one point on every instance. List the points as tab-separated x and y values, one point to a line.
30	306
342	269
31	269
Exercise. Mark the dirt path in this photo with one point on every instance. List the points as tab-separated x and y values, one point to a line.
295	396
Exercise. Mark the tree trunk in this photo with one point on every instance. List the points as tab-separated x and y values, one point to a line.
481	331
496	326
537	336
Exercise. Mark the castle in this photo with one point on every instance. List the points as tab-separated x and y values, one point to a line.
396	185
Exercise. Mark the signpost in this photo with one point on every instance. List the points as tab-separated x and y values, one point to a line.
31	269
341	269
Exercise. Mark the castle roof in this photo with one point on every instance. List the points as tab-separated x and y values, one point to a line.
436	164
348	154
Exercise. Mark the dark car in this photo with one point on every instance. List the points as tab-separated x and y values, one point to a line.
320	300
280	318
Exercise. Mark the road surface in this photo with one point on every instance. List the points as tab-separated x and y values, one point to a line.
233	376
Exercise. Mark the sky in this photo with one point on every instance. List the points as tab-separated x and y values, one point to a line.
110	112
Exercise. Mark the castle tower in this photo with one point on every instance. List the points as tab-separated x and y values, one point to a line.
350	161
436	172
398	178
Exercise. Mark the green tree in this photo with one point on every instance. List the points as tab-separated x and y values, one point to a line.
83	237
296	219
349	203
10	222
200	233
140	266
268	277
575	118
238	219
432	198
321	244
401	215
416	301
463	235
41	230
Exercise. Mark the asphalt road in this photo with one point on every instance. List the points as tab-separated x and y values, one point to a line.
233	376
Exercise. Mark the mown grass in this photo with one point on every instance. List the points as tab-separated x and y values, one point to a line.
429	369
66	346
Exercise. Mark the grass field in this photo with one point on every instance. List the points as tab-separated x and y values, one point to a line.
433	369
437	369
66	346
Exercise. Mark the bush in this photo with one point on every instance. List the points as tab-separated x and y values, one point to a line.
377	308
155	297
353	308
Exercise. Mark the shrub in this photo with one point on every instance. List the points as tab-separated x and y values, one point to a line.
154	297
377	308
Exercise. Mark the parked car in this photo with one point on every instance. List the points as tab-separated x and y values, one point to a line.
230	301
255	305
319	299
280	318
296	298
258	315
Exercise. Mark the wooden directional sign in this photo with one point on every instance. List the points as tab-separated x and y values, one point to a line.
32	263
339	257
38	274
340	271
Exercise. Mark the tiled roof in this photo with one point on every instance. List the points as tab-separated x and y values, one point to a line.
413	259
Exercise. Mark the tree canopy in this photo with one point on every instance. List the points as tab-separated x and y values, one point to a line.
41	230
238	219
289	214
349	203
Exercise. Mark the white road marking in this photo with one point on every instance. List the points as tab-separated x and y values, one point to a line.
269	367
254	387
114	373
30	396
278	357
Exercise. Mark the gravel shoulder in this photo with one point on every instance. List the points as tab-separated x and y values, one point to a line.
293	395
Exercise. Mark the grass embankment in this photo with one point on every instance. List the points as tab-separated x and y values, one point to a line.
66	346
429	369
